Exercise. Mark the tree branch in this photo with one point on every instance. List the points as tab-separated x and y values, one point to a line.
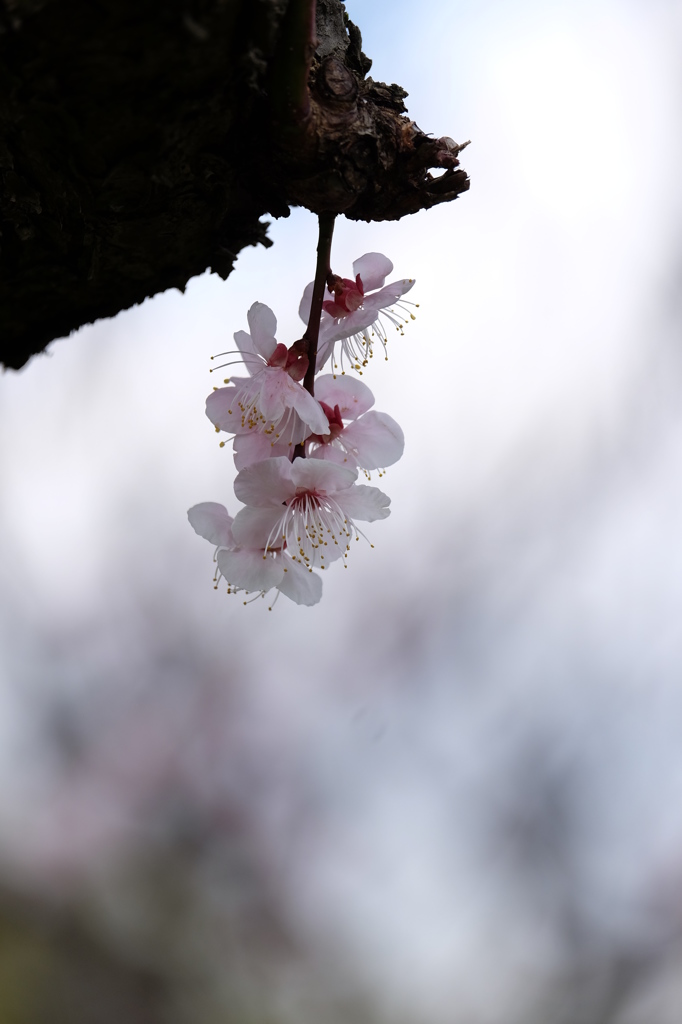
143	143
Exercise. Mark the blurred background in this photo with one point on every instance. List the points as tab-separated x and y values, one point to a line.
452	792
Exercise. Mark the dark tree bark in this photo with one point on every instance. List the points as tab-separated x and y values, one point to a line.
143	142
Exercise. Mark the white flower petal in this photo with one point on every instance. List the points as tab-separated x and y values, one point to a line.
350	394
223	411
387	296
373	269
211	521
263	327
252	360
354	323
307	300
274	392
332	553
300	584
331	453
365	503
290	412
321	477
310	411
325	347
255	446
252	527
266	483
251	570
289	431
376	438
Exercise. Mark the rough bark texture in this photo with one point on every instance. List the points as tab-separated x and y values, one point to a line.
141	143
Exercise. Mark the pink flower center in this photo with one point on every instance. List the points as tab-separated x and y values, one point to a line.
293	360
348	296
310	523
335	425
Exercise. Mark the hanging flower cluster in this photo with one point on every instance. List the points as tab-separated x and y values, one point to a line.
300	440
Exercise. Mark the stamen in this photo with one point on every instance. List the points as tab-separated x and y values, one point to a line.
231	362
358	348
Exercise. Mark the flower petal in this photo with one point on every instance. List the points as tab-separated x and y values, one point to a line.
251	570
376	438
354	323
310	410
267	483
263	327
365	503
252	360
255	446
274	390
307	300
254	528
373	269
321	477
300	584
325	347
223	411
289	431
211	521
350	394
331	453
388	295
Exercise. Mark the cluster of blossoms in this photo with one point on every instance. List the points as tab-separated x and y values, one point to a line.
298	450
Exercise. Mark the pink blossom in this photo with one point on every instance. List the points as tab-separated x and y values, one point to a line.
251	568
306	507
270	401
356	438
253	446
353	310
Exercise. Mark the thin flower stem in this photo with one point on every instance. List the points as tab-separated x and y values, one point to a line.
322	271
312	332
